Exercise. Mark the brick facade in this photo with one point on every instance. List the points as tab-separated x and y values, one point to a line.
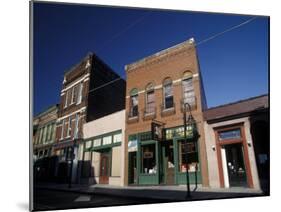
173	63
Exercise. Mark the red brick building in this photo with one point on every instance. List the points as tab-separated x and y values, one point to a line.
83	99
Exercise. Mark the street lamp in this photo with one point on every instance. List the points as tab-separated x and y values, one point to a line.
191	124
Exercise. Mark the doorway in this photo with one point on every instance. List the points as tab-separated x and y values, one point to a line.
168	163
132	167
235	165
104	168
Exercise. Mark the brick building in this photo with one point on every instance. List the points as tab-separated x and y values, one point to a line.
44	130
84	99
158	86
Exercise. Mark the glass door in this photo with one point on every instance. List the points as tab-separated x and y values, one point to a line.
235	165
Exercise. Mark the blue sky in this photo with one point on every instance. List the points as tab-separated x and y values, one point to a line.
234	66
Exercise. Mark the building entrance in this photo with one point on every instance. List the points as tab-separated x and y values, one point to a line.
235	165
104	168
168	164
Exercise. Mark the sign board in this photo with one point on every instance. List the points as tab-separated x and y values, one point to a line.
133	146
147	155
157	131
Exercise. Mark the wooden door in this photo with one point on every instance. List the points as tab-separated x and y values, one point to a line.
104	169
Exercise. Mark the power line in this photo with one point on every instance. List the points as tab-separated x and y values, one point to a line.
225	31
124	30
196	44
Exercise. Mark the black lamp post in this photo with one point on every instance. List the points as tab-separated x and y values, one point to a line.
72	157
191	124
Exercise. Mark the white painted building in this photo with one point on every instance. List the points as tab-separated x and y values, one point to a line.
101	155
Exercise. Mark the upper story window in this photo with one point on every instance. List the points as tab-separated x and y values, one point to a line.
188	90
150	99
168	93
73	95
134	102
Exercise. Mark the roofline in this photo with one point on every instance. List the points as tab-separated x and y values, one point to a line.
188	43
48	109
236	102
234	116
73	67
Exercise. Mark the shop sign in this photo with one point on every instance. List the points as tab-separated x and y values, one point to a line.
133	146
178	132
157	131
147	155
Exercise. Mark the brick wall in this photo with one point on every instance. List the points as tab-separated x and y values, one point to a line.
172	63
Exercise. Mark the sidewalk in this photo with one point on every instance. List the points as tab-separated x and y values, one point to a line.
161	193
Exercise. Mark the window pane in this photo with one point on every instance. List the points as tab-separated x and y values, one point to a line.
187	84
150	97
230	134
169	102
117	138
134	100
107	140
168	90
188	156
148	159
97	142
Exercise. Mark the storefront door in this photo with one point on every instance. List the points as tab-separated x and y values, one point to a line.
104	169
168	164
235	165
132	168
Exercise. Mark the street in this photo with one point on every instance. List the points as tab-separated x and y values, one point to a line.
45	199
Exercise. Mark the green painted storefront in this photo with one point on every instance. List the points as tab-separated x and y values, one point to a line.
160	175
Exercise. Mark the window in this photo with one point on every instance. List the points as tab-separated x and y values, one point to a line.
79	98
67	96
168	93
148	159
150	99
188	91
69	126
230	134
107	140
97	142
88	144
44	137
188	156
117	138
74	94
62	129
76	125
134	103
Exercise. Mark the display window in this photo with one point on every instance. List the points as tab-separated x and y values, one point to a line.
188	156
149	165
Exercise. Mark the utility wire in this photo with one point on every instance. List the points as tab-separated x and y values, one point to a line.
196	44
125	30
225	31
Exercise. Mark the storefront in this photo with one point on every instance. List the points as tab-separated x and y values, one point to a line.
102	155
164	162
101	159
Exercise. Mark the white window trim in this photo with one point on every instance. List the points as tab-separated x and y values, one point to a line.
62	129
79	97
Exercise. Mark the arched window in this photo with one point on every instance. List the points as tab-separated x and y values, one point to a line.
150	99
187	88
168	93
134	102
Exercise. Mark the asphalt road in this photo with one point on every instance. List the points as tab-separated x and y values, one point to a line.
45	199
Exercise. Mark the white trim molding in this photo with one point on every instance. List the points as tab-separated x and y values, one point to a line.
77	111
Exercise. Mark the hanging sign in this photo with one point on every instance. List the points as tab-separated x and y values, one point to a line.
133	146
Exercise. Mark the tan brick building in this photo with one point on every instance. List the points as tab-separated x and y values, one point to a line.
157	88
44	127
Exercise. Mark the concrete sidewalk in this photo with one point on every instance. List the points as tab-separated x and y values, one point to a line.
161	193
